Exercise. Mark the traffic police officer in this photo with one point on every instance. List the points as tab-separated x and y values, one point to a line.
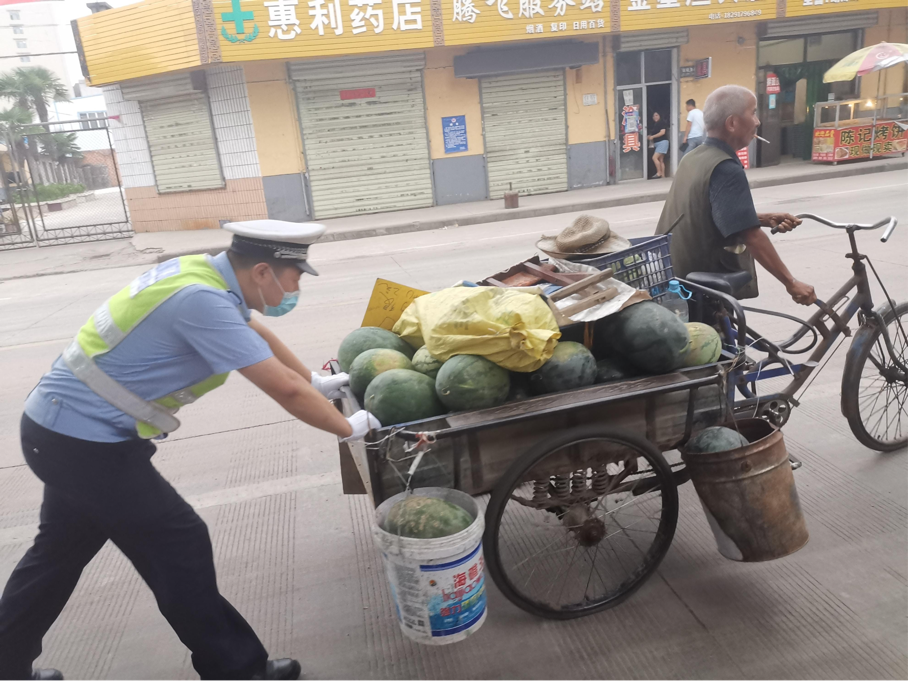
163	341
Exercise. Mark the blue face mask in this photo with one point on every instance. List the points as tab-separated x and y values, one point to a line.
288	302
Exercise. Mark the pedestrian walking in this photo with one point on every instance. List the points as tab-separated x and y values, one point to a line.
695	133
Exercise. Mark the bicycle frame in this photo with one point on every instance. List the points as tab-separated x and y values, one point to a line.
827	323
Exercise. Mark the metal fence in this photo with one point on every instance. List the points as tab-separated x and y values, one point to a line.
61	185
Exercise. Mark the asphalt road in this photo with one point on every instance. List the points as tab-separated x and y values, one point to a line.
296	556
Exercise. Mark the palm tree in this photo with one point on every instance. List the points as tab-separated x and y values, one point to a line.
63	148
14	121
31	88
14	125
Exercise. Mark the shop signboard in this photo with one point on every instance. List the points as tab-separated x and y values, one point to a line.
267	29
639	15
844	144
773	86
700	69
801	8
454	132
744	157
469	22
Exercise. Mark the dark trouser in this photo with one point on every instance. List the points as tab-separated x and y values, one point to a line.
96	491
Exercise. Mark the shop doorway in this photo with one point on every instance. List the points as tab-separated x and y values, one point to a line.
659	100
789	84
645	83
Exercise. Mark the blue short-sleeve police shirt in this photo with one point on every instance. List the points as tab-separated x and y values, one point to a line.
194	334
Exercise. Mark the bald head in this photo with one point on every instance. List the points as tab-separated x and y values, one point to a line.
730	114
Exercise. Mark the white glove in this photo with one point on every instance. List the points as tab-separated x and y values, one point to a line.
330	386
361	423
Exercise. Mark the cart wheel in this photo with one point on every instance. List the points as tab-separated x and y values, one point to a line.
580	521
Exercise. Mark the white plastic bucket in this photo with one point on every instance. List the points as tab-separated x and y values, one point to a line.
438	585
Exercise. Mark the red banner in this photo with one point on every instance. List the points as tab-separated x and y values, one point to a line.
361	93
850	143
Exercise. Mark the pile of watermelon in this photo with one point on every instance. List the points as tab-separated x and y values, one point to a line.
400	384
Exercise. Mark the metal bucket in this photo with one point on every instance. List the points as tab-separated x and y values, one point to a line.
749	495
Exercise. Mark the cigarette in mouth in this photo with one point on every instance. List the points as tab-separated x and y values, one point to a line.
762	139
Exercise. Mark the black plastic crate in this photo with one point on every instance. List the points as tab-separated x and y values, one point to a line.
646	265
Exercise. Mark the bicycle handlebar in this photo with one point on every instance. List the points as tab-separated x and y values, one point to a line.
890	224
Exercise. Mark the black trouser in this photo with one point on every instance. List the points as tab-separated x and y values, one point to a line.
95	491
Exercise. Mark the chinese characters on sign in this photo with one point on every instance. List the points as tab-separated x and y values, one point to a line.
454	132
849	143
744	157
638	15
630	126
773	87
539	12
337	16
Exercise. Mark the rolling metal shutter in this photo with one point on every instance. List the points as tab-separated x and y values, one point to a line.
181	141
179	130
655	40
828	23
370	154
523	119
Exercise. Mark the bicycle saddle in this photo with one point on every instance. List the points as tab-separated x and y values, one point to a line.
727	282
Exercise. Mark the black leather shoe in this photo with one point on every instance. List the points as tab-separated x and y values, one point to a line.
285	668
47	675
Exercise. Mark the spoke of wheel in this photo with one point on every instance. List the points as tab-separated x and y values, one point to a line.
540	551
883	411
568	571
586	589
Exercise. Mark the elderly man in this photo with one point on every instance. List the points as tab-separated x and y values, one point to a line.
710	211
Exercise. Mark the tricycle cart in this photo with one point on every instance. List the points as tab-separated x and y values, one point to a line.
583	505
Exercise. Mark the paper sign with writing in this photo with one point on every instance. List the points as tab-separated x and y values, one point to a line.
388	302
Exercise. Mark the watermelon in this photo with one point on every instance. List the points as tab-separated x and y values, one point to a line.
426	518
401	396
426	363
571	366
705	345
613	369
520	387
370	364
715	439
368	338
647	335
467	382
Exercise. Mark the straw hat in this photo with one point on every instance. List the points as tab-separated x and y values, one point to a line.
586	236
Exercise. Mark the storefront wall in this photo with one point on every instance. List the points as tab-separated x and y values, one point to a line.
260	141
459	175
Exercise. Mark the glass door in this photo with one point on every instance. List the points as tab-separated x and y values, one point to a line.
644	84
631	134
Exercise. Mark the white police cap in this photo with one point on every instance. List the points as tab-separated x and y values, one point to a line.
276	239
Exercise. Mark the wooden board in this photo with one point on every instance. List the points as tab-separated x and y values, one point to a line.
388	302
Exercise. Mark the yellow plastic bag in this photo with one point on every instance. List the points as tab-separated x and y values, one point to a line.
514	329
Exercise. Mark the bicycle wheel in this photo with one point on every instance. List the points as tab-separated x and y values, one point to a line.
874	389
580	521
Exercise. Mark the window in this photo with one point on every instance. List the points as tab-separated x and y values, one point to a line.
14	15
25	58
90	119
18	30
21	45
